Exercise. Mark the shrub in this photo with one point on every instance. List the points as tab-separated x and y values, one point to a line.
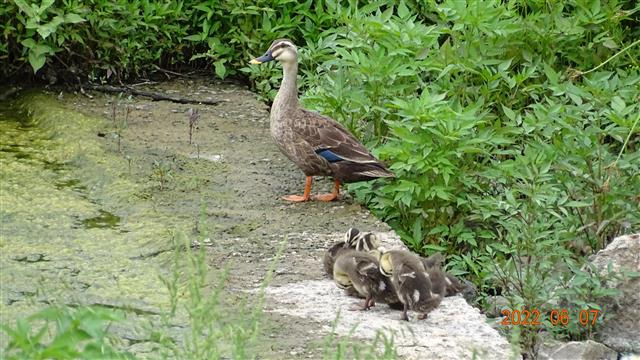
512	156
64	333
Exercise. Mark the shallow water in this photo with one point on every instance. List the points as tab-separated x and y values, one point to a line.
67	235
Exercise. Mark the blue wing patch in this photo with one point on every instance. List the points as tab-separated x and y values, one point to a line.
329	155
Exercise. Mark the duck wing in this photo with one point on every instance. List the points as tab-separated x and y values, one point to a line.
330	139
367	268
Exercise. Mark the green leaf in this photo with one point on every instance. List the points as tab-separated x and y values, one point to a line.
403	11
610	44
45	5
221	71
73	18
618	105
551	74
504	65
416	230
36	60
576	203
510	114
28	43
194	37
27	9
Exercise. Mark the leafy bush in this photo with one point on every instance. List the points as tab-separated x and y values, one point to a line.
131	38
64	333
511	155
98	38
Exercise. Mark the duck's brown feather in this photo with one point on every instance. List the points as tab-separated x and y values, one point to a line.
314	132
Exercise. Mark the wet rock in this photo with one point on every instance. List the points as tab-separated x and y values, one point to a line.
621	328
469	292
576	350
31	258
496	305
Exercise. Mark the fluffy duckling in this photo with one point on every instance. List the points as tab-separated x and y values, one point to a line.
418	289
453	285
332	253
359	270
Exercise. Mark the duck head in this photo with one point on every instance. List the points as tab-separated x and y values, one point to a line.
282	50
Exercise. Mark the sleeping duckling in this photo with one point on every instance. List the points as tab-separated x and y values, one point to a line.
360	270
453	285
332	253
418	289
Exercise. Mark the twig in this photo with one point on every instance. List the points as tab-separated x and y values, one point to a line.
146	82
626	141
169	71
193	120
153	95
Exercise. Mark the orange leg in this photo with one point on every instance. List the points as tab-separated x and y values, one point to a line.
331	196
307	192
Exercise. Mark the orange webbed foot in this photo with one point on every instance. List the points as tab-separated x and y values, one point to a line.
296	198
368	303
333	195
326	197
307	192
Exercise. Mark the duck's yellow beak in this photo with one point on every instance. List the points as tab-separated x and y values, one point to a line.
262	59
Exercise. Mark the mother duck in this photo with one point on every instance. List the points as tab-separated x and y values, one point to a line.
318	145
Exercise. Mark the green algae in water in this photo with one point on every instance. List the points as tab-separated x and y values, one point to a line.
73	184
104	220
61	237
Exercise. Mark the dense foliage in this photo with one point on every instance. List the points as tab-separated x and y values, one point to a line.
512	125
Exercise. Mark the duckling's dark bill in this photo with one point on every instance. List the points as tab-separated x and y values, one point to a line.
262	59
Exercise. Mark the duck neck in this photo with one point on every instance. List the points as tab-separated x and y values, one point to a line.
287	97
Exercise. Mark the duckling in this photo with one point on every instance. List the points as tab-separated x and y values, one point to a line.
453	285
360	270
332	253
418	289
364	242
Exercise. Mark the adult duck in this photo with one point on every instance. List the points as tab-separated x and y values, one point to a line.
318	145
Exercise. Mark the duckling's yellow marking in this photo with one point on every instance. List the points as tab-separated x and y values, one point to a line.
386	268
342	279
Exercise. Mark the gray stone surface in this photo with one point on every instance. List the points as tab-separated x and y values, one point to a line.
454	330
621	328
576	350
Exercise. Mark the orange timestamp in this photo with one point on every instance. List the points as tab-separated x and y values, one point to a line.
557	317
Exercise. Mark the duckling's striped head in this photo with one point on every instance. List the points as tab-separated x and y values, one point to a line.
282	50
367	242
351	237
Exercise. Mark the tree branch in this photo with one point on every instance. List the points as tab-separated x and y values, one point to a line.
155	96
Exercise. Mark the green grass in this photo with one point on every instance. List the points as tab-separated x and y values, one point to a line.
217	323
